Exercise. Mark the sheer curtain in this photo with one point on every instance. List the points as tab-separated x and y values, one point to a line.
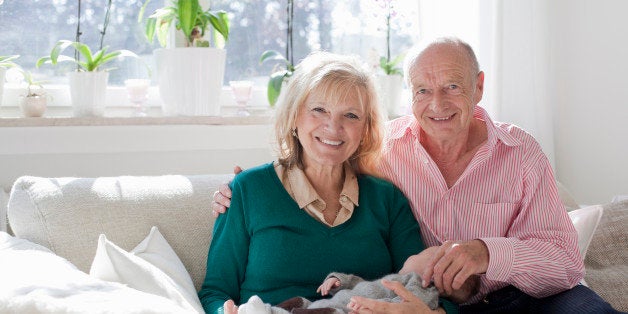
516	37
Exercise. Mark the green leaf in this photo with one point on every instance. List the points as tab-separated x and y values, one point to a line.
201	43
149	30
397	59
8	58
7	61
110	56
57	49
220	22
92	61
272	55
274	85
84	50
140	16
99	54
159	22
163	30
41	61
187	11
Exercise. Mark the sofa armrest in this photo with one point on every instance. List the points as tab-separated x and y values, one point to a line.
605	262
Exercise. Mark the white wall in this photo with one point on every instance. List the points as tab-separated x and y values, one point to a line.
590	64
90	151
588	85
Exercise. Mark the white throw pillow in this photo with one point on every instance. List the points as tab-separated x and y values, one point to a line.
35	280
586	220
151	267
4	199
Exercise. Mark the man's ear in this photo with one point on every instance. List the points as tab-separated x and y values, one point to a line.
479	87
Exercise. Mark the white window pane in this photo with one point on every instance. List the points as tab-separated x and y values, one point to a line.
31	28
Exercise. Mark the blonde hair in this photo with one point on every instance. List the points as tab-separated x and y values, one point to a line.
336	77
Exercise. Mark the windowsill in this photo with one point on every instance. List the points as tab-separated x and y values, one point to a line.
113	121
118	111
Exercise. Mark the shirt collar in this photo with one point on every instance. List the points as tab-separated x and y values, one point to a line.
304	193
494	129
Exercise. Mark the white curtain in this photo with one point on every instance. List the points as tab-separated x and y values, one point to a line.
515	36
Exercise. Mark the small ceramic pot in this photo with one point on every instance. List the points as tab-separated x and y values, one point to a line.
34	106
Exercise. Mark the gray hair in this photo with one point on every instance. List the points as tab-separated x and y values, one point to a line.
417	51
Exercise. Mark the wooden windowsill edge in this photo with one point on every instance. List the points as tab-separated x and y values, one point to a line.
113	121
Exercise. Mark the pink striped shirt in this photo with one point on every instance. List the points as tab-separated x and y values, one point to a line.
507	197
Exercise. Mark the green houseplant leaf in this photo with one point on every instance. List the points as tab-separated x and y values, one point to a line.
277	78
92	62
7	61
391	68
220	22
272	55
274	85
187	11
189	17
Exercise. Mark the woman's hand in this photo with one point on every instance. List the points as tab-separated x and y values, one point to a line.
230	308
410	303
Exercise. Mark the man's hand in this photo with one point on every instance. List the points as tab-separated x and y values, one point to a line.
469	289
222	197
328	284
410	303
453	263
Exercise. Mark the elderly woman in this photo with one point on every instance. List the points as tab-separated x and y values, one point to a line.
315	209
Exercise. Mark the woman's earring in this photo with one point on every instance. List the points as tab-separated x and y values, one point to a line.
294	133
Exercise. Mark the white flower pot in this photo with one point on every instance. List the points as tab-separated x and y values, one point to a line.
34	106
88	90
190	80
3	72
390	89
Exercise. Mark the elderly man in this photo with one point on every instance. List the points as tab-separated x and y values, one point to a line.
483	193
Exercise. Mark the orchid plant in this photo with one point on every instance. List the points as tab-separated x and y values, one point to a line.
33	87
279	76
388	64
92	61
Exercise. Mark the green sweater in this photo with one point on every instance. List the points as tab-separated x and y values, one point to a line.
266	245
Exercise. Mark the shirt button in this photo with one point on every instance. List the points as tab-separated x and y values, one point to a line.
344	198
424	160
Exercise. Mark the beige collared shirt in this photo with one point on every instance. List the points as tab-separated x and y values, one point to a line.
302	191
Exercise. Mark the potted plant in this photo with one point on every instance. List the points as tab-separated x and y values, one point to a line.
5	63
88	84
190	73
391	82
34	103
283	73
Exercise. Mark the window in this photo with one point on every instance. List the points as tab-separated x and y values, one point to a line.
30	29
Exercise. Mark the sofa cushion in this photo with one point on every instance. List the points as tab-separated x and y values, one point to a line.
585	220
606	257
152	267
67	215
35	280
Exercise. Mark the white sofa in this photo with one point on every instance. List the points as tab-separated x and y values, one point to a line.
67	215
